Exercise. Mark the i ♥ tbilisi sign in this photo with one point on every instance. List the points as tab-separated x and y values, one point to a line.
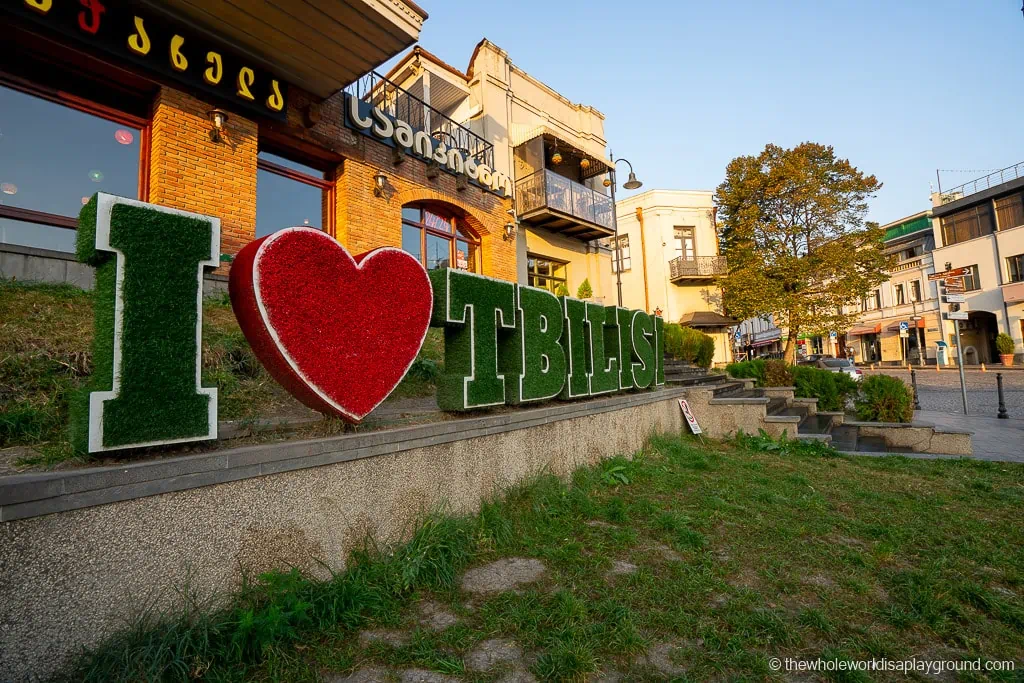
337	331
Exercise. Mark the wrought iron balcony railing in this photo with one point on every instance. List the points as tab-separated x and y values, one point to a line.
401	104
547	189
697	267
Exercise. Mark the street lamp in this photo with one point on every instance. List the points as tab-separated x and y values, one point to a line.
631	184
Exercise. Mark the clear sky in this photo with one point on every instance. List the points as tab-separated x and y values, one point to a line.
899	87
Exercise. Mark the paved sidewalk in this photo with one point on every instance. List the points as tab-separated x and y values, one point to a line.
992	439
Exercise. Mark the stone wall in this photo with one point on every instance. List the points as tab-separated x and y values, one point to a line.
70	578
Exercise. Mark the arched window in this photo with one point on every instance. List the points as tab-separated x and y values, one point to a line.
439	238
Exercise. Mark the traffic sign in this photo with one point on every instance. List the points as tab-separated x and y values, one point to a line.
690	419
738	336
955	288
956	315
955	272
833	335
904	328
955	298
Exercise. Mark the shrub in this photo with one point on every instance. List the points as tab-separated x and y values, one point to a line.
585	291
777	374
832	389
1004	344
747	369
690	345
706	351
885	399
561	290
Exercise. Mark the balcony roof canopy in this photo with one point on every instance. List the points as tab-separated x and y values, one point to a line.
706	319
570	150
317	45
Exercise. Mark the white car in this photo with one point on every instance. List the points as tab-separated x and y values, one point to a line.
841	365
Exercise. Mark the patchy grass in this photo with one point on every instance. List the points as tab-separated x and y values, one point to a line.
46	333
743	554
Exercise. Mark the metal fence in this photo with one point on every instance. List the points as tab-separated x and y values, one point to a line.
985	182
546	188
698	266
401	104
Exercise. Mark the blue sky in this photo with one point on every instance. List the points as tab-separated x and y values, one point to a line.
899	87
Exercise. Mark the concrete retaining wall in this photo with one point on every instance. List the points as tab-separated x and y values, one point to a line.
111	539
30	264
919	438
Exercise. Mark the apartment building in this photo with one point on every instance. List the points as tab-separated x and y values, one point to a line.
907	297
551	151
980	226
667	253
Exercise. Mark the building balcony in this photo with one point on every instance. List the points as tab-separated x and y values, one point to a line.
545	199
923	261
398	103
683	269
982	184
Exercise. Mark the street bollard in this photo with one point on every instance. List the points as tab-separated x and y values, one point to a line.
913	383
1002	415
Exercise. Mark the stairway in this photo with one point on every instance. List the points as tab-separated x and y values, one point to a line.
809	426
848	438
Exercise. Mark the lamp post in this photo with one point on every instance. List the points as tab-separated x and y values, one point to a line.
631	184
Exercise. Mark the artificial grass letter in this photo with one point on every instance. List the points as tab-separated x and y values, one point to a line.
145	388
575	343
659	350
477	314
534	352
643	351
604	361
625	317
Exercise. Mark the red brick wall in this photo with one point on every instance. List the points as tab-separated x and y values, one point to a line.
189	171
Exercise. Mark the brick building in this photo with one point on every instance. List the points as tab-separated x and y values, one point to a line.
238	113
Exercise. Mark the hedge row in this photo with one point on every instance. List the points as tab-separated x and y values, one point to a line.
688	344
832	389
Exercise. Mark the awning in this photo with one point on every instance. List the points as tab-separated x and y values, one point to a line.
765	342
706	319
865	329
521	133
895	327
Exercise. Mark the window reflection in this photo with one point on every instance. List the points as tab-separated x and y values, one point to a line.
53	157
438	239
288	194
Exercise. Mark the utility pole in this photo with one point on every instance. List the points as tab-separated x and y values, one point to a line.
946	279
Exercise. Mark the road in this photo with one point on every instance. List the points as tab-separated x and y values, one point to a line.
940	391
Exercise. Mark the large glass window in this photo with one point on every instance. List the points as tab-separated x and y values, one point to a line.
1010	212
967	224
290	194
53	158
546	273
1015	268
620	254
439	238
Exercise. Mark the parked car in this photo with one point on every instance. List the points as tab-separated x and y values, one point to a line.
841	365
813	358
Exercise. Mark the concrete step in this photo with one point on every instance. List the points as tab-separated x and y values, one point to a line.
816	424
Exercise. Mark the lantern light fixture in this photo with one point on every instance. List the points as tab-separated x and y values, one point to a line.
380	181
584	163
218	117
510	231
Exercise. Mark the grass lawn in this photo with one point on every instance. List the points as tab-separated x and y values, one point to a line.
46	355
724	556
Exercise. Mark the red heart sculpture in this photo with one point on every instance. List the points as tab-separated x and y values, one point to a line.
338	332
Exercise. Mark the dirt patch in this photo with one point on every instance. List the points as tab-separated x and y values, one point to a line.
434	616
666	553
745	578
391	637
818	581
370	674
502	575
659	657
601	525
493	652
424	676
621	568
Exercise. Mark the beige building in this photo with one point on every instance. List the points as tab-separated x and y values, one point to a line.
552	151
908	297
980	226
669	257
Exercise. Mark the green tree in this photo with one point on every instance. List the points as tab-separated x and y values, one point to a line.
792	226
585	291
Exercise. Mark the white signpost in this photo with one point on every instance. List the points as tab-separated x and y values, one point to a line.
690	419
